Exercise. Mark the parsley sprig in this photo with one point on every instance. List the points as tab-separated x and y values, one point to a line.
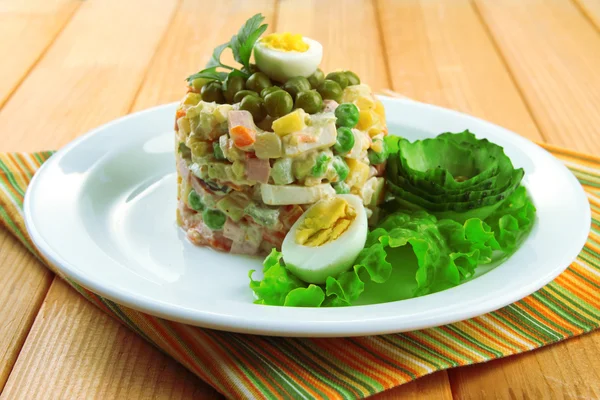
241	44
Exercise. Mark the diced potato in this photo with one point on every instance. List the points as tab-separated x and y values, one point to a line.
361	143
359	173
220	113
372	192
351	93
292	122
292	194
380	109
268	145
311	138
192	99
183	125
365	103
366	119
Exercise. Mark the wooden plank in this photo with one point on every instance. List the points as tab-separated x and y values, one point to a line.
434	387
349	35
189	43
553	52
135	360
439	52
567	370
89	76
29	27
23	286
75	351
591	8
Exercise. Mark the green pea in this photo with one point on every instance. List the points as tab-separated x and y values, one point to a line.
243	93
214	219
330	90
256	107
296	85
258	81
218	151
213	91
378	157
194	201
341	168
344	141
353	79
347	115
316	78
253	68
310	101
320	166
341	187
271	89
278	103
232	85
339	77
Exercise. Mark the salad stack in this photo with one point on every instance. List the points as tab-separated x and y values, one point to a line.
257	144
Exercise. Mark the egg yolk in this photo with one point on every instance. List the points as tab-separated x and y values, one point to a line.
325	222
285	42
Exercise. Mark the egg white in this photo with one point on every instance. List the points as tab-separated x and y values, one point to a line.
315	264
283	65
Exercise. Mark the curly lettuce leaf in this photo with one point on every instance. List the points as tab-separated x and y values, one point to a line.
513	220
444	254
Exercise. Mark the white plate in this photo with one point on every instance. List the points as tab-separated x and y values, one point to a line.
103	210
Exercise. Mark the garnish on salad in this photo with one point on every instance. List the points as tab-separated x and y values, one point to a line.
277	158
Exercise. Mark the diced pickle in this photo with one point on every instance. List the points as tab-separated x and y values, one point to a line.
302	166
282	171
239	169
200	149
262	215
217	171
268	145
231	208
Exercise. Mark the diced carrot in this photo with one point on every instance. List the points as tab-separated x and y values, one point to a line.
180	113
220	243
242	136
190	88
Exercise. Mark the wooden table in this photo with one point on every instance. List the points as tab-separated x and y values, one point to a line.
67	66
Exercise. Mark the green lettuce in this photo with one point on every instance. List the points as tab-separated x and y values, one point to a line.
453	176
446	253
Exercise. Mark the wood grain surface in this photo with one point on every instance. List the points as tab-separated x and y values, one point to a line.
530	66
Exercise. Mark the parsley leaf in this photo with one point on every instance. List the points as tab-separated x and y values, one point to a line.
241	46
208	73
243	43
215	60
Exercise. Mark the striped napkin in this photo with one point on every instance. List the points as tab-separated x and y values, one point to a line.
249	366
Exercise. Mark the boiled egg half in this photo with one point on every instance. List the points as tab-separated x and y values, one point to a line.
326	239
285	55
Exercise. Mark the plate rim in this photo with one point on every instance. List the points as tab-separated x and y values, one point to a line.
309	328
